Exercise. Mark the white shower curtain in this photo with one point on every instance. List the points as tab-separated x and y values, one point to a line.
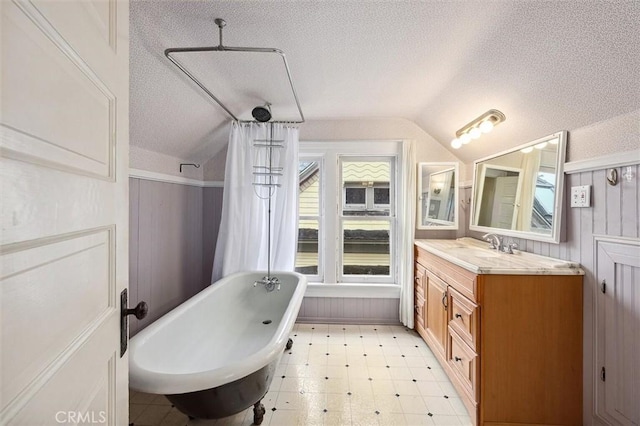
407	213
243	235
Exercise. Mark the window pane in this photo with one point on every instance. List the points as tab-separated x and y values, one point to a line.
307	254
309	177
355	196
369	182
380	195
366	248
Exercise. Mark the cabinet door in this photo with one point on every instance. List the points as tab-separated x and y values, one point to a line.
618	333
420	297
436	316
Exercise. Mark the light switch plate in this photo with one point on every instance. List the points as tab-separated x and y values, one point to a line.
581	196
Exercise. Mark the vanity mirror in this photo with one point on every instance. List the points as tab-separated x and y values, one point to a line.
438	196
519	192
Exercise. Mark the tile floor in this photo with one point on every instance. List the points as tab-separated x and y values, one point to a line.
338	375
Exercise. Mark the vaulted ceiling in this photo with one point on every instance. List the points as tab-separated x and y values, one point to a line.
547	65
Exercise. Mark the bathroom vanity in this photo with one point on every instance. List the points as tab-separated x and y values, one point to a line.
506	328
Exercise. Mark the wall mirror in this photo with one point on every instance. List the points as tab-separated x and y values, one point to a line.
437	196
519	192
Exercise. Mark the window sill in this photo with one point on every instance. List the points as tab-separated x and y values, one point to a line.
351	290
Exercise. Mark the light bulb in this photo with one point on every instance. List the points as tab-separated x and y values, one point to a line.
475	133
456	144
541	145
465	138
553	141
486	126
526	150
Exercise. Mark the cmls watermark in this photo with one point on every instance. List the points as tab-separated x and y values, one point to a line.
75	417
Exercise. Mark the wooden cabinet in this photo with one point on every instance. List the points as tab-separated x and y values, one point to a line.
420	277
511	344
436	313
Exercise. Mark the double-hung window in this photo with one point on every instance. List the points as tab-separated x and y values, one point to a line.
309	255
347	212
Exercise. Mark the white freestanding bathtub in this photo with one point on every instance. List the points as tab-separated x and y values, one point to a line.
215	354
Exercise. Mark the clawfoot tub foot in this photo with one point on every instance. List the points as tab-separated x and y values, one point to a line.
289	344
258	413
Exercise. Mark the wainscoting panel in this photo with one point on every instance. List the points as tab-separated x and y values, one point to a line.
211	215
166	246
338	310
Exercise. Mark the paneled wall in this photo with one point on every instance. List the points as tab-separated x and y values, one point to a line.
614	212
211	215
171	246
338	310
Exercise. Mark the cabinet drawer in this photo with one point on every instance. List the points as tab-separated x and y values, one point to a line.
463	361
464	318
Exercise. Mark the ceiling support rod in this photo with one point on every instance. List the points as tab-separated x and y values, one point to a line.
220	48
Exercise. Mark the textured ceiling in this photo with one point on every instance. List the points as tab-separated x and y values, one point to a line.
547	65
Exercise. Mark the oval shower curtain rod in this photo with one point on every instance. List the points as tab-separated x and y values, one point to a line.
220	48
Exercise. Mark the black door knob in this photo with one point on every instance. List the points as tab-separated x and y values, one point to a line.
140	311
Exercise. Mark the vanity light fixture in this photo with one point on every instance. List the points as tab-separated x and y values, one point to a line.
483	124
526	150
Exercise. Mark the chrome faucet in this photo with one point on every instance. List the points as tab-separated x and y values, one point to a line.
494	240
270	283
508	248
496	243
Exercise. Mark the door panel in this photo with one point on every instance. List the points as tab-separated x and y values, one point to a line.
436	311
83	386
618	333
64	188
83	290
505	202
67	116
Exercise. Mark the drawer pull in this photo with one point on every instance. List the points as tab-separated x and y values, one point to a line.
457	358
458	316
444	300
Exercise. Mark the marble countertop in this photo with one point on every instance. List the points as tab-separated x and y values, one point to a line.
475	256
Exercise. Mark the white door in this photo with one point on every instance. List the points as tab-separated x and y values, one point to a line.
618	332
506	202
64	194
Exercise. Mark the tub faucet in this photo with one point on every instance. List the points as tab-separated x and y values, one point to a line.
494	240
269	283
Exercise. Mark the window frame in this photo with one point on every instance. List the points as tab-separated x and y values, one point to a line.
319	277
331	244
341	277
